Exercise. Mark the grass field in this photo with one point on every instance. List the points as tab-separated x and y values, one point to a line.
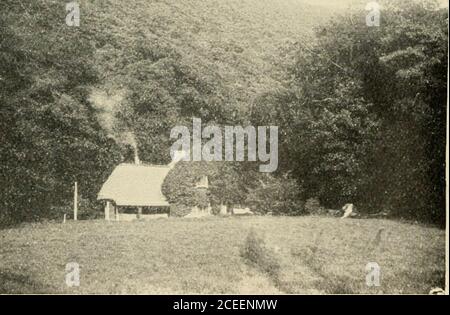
311	255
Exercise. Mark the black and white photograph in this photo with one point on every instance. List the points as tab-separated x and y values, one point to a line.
245	148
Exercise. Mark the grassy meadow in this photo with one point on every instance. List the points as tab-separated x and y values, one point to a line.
306	255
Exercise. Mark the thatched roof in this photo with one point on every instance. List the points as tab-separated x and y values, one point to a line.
135	185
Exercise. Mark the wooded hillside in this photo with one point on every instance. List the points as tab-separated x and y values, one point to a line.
361	110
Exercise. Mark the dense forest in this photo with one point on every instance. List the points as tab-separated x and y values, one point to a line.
361	110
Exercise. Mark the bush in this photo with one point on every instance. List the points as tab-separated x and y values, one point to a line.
312	206
87	210
90	210
280	196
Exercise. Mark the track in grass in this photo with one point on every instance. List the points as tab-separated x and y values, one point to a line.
315	255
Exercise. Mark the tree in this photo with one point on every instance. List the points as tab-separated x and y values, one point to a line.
363	116
49	134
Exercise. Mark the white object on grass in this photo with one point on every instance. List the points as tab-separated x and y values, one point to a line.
348	209
240	211
437	291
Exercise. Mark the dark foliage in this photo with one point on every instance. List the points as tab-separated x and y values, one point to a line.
364	113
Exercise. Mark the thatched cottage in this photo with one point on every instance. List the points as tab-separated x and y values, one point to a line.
133	186
133	190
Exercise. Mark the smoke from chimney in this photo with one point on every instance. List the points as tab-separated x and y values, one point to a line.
107	106
136	155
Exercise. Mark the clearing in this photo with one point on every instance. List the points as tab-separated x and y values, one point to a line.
314	255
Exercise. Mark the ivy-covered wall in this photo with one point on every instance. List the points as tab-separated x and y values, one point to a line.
180	189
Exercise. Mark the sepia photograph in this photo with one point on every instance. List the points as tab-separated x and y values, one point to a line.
243	148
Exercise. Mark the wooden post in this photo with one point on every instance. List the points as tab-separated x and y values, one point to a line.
116	211
107	211
139	212
75	202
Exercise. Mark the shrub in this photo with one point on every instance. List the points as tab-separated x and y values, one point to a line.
312	206
87	210
90	210
276	195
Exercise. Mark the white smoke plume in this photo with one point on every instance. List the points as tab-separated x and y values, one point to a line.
107	106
